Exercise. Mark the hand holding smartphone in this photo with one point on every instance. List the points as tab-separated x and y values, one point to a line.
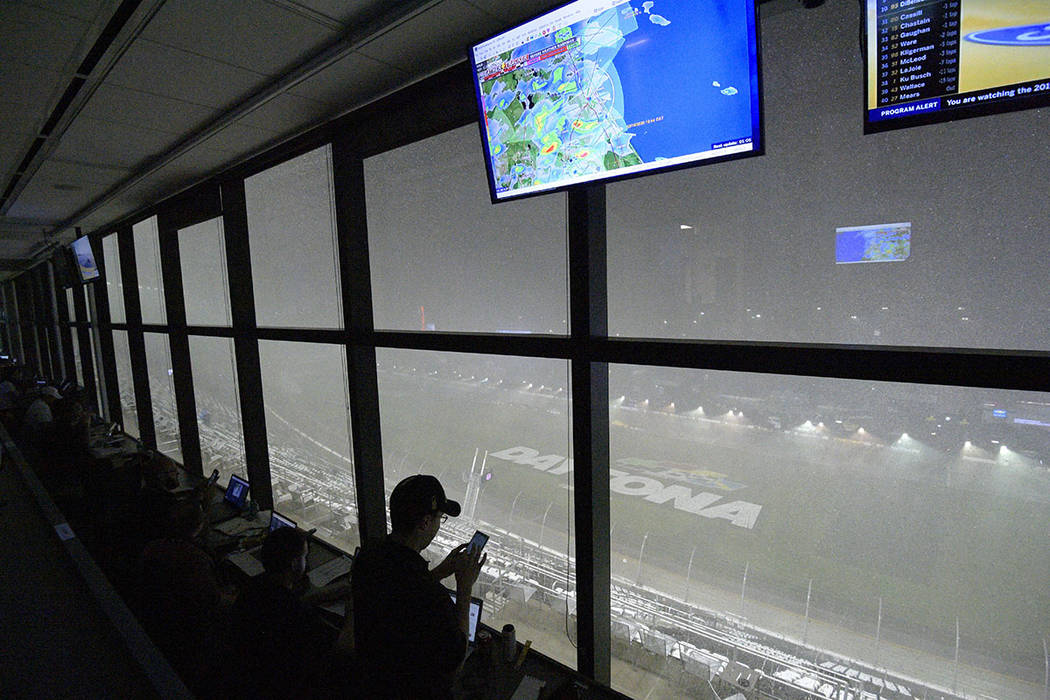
477	542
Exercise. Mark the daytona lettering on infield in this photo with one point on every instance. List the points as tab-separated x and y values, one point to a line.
738	513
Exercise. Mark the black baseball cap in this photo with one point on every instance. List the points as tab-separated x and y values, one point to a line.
418	495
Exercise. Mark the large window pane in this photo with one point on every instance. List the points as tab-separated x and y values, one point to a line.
495	431
125	383
291	227
114	285
443	257
748	249
202	251
789	522
308	429
76	356
147	263
99	379
162	395
218	406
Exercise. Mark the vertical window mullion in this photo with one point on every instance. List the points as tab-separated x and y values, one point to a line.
136	339
590	428
246	342
178	342
352	228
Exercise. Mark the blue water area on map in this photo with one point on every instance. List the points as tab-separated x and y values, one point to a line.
850	246
854	246
668	71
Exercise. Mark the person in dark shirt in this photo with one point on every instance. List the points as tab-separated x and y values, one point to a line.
280	642
180	596
409	636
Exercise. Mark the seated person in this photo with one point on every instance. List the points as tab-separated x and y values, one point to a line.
410	637
38	416
280	643
180	596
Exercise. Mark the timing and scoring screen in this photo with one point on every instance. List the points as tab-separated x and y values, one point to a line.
599	89
936	60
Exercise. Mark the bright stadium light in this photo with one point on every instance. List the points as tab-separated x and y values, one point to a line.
685	227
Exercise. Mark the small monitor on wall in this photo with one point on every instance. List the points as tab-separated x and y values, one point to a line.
602	89
876	243
938	61
85	259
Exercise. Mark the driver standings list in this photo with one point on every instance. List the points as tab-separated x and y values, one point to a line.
918	50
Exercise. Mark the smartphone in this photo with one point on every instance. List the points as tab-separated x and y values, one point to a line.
477	542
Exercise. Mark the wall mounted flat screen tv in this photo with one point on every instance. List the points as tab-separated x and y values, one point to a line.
602	89
938	60
85	259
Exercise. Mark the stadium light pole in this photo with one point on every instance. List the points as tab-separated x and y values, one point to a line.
641	553
1046	672
513	505
878	632
543	525
805	627
743	586
955	673
689	575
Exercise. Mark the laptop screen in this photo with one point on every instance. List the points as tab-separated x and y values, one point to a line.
237	491
278	521
475	616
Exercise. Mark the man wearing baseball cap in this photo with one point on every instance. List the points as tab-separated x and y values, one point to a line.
410	637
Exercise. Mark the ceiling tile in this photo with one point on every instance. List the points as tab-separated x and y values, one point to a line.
14	248
432	38
40	200
63	173
253	34
82	9
285	112
26	85
514	11
239	139
14	145
353	12
163	70
350	79
109	144
19	120
181	172
121	105
42	39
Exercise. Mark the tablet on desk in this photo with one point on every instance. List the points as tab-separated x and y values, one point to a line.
278	521
475	616
236	492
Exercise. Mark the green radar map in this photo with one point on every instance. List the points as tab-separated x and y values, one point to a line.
554	109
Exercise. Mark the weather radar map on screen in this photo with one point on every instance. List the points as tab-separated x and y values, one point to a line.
937	60
605	88
85	259
879	243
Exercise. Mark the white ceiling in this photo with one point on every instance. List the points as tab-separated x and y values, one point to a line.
186	88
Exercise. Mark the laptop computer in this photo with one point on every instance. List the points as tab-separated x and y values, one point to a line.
278	521
233	501
475	617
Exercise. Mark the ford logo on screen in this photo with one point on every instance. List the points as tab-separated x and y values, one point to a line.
1028	35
